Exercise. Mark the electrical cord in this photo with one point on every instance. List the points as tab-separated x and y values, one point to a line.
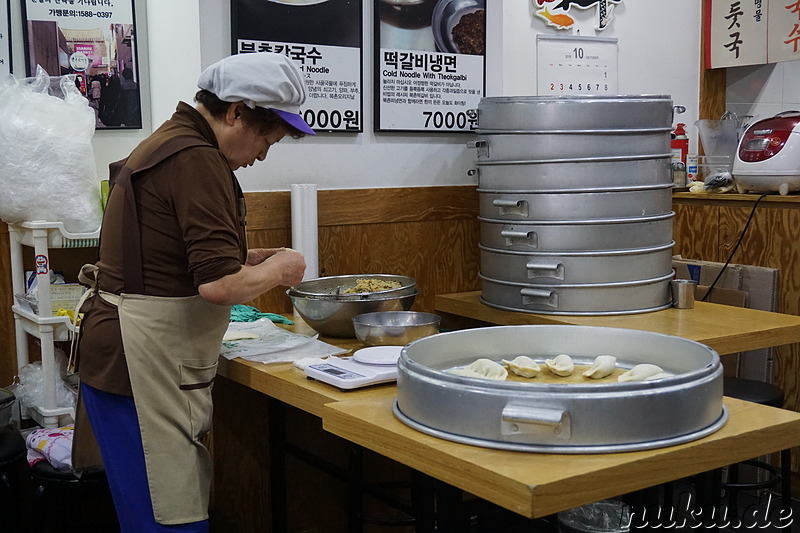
730	257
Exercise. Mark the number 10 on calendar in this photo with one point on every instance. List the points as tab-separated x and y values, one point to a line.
576	65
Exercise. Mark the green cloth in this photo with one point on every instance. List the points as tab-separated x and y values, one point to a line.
246	313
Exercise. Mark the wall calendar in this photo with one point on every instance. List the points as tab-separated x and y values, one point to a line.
576	65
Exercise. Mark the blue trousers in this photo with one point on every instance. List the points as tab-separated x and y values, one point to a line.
116	428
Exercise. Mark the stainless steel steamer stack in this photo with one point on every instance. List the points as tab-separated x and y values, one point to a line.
575	203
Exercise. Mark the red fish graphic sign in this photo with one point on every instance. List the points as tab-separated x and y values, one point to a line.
555	13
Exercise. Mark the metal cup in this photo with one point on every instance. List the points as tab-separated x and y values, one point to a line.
683	293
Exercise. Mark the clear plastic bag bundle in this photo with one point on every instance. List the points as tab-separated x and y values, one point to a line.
47	165
31	388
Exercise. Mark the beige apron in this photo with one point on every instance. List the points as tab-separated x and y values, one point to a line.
172	348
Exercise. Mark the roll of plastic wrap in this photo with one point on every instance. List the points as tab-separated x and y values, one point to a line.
304	226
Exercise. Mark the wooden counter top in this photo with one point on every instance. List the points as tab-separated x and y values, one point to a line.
773	198
724	328
536	485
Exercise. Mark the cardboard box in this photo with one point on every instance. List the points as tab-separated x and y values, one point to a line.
705	272
760	287
721	296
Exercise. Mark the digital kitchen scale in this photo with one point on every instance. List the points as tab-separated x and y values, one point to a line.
368	366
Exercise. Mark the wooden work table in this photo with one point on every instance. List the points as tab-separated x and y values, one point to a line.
724	328
533	484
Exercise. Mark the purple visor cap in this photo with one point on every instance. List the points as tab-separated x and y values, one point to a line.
295	120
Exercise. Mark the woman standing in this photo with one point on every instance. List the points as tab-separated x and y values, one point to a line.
172	260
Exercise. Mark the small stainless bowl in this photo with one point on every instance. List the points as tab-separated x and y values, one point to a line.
394	328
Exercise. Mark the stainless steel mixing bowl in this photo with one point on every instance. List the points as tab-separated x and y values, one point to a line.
333	317
395	328
333	287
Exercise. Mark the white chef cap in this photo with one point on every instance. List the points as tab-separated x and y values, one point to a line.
259	79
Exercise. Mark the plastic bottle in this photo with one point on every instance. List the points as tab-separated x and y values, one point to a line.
680	142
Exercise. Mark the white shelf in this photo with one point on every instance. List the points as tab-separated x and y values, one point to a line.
57	235
43	236
63	329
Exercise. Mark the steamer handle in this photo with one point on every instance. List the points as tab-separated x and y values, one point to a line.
520	237
524	419
534	296
511	207
482	146
540	270
532	415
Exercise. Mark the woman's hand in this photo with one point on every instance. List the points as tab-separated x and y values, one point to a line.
290	265
271	267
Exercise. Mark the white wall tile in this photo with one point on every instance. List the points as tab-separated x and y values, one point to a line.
762	83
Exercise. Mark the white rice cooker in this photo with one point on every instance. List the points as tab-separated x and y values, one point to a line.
768	158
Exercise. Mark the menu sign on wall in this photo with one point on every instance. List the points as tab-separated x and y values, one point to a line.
783	30
429	65
94	40
324	38
750	32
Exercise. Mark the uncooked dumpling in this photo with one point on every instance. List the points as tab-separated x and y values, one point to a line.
660	375
562	365
603	366
524	366
643	372
482	368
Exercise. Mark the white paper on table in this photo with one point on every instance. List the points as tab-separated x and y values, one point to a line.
315	349
274	344
271	338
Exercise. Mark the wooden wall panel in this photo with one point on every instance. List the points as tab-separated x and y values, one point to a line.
695	230
428	233
770	241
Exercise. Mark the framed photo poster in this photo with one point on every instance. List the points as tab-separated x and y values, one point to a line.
5	38
429	64
324	38
96	41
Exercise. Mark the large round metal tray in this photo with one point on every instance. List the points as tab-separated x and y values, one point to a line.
581	234
567	144
575	204
552	175
561	418
559	113
565	268
584	299
562	449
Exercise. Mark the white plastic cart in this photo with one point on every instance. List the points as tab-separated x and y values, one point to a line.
42	236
